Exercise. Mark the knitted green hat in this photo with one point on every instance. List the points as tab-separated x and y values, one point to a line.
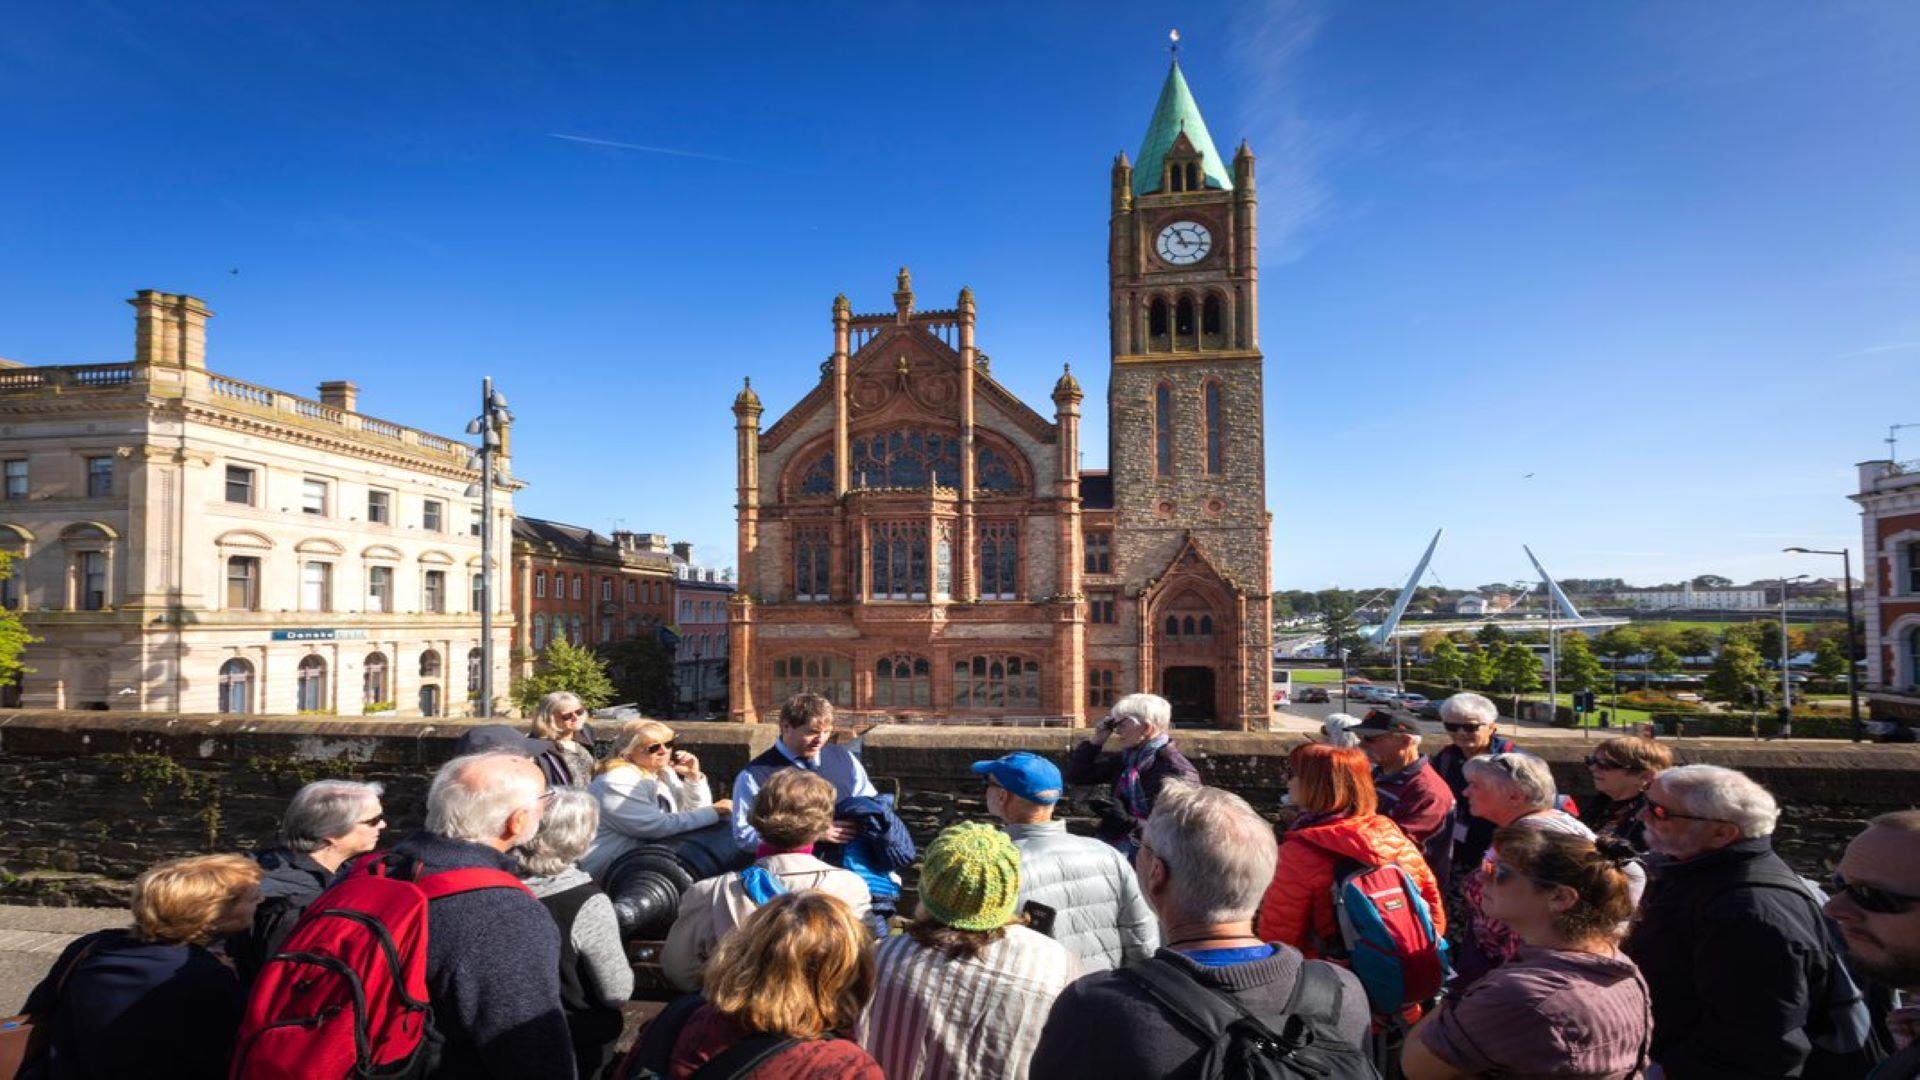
970	879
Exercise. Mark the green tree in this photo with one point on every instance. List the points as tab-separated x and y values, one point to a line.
1338	623
1738	678
1712	581
1580	670
1516	670
1665	661
1617	643
1446	663
569	667
1695	641
1831	661
1491	635
1478	673
14	638
641	669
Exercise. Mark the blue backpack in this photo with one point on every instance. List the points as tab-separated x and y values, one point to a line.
1386	931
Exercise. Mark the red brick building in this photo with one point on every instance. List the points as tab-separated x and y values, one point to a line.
572	582
1889	499
916	540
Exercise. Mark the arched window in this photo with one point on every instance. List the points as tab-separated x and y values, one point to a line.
993	473
479	598
473	672
902	682
1210	318
898	560
540	583
1186	626
373	682
996	682
999	560
236	686
905	458
1206	625
1173	626
818	478
812	563
1216	430
815	673
1183	327
430	664
539	632
1157	325
1163	430
311	692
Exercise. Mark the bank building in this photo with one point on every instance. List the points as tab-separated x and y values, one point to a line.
917	542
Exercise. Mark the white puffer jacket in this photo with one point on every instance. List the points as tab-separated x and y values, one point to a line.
1100	914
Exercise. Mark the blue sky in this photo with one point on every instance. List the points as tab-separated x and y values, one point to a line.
1665	258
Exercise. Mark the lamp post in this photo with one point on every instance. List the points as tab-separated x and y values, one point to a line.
493	416
1786	670
1853	678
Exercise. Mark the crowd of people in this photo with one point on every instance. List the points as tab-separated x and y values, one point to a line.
1452	916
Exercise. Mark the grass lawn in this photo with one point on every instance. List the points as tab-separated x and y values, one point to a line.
1315	675
1624	716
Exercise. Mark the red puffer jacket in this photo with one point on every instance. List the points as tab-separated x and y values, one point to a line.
1298	909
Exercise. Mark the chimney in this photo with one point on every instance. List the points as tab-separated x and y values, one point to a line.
340	394
683	551
170	330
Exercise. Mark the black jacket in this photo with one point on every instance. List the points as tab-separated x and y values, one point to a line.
292	881
135	1008
1737	970
1090	764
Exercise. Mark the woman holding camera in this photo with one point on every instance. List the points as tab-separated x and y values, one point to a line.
1139	727
650	791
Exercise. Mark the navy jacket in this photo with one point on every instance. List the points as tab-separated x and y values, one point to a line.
883	848
293	880
135	1008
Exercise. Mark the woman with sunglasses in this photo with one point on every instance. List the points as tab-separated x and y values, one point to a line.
561	719
648	792
1623	769
1571	1003
1141	728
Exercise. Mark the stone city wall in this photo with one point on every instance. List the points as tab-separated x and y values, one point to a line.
87	800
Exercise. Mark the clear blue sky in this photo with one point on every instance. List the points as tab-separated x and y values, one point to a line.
1664	257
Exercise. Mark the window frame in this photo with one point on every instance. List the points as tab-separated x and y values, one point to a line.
309	486
248	478
380	506
24	475
250	582
1096	551
95	488
380	588
433	515
229	680
325	583
433	592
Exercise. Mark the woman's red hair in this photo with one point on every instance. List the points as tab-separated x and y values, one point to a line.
1334	778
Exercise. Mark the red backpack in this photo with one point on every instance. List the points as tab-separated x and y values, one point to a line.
347	994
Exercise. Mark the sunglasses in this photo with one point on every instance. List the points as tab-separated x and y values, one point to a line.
1657	812
1595	761
1462	727
577	714
1500	873
1874	899
654	748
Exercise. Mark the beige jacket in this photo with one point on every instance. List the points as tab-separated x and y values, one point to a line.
712	908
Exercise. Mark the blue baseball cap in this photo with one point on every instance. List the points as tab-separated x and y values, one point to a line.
1029	776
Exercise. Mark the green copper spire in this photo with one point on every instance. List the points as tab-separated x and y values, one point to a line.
1177	113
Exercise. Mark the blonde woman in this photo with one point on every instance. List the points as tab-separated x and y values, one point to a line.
650	791
561	719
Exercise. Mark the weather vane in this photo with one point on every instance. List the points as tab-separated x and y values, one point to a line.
1174	37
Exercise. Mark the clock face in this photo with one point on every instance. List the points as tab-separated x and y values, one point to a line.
1184	243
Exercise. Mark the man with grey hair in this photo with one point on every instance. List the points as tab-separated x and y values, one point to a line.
1205	860
595	976
1140	727
1734	947
327	823
493	954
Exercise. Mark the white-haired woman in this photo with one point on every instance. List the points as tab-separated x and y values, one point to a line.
561	719
1140	728
595	975
650	791
1337	730
327	823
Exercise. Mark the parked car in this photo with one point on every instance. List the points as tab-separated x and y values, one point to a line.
1312	695
1428	710
1411	701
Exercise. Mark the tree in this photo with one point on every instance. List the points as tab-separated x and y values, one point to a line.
1619	642
1831	661
1490	635
1737	677
1665	661
1478	672
569	667
14	638
641	669
1516	670
1580	670
1694	641
1337	622
1446	663
1712	581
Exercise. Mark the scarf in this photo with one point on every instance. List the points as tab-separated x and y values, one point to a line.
1128	789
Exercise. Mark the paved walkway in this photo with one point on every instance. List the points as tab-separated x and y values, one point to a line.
31	939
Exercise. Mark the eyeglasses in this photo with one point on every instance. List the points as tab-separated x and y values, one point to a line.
654	748
1500	873
1874	899
1595	761
1657	812
577	714
1461	727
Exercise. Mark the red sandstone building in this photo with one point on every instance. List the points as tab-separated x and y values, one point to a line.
571	582
917	541
1889	501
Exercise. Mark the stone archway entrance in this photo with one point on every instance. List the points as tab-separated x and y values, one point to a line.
1191	692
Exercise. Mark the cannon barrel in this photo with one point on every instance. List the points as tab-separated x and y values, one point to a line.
645	884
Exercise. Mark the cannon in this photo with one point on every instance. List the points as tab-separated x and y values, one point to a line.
646	884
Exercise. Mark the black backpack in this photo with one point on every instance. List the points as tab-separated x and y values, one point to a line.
1241	1046
648	1058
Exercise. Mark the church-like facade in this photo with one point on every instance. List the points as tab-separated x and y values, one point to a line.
917	541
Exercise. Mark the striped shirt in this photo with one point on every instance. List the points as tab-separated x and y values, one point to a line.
938	1017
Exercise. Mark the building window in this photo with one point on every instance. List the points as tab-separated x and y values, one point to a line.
1216	431
994	474
373	681
479	597
579	628
905	458
316	586
999	560
1100	608
430	664
539	632
606	628
1156	325
943	563
93	580
473	673
433	596
812	560
1098	547
243	584
633	592
1100	688
1913	568
99	477
579	583
10	586
380	589
829	676
1913	657
236	686
380	507
540	584
1210	320
313	497
996	682
1183	319
473	524
239	485
433	515
310	694
16	479
606	590
1198	628
899	560
902	682
1163	430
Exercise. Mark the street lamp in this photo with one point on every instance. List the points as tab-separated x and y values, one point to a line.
1786	670
1853	679
493	416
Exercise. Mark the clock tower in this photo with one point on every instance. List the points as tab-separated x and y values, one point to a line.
1187	451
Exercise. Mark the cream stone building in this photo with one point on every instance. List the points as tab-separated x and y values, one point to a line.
185	541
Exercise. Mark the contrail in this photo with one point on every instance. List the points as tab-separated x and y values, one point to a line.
645	149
